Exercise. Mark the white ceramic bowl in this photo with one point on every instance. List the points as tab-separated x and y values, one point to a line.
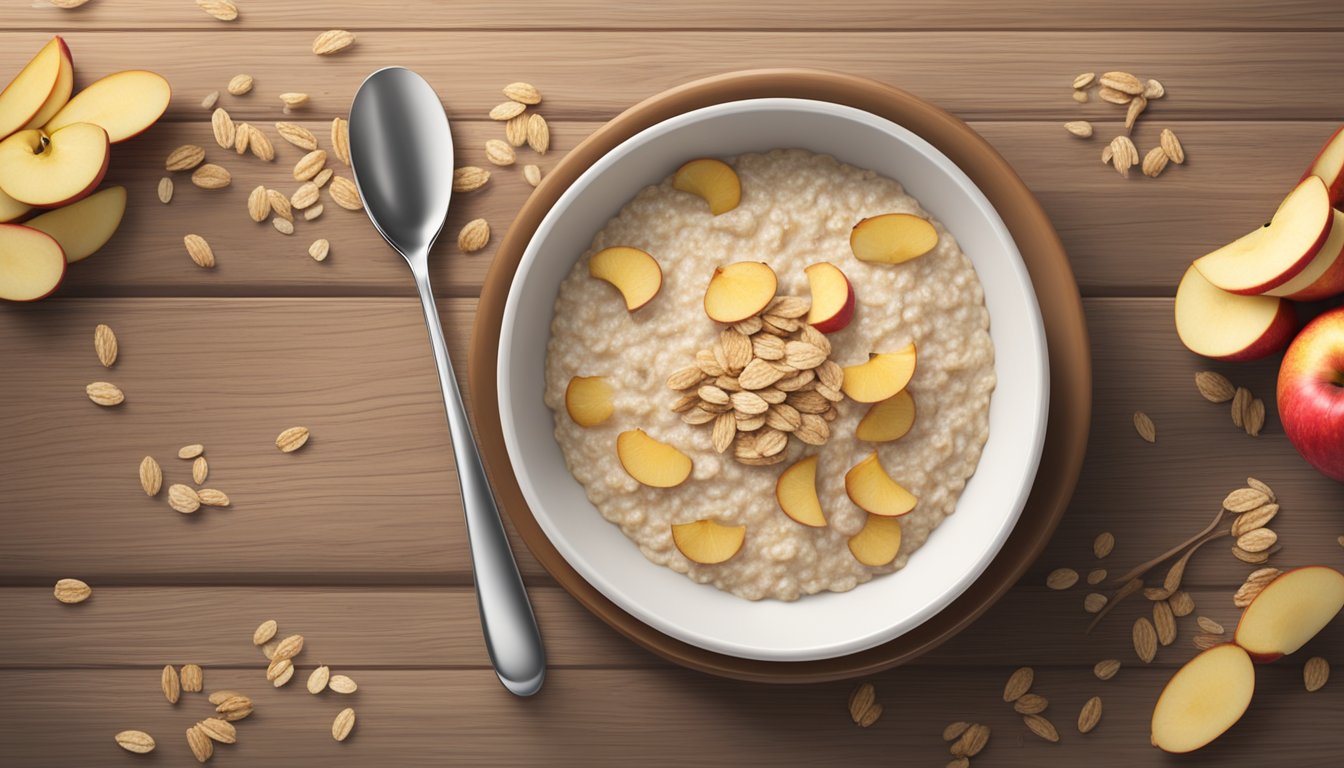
818	626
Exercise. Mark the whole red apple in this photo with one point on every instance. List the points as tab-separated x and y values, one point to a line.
1311	393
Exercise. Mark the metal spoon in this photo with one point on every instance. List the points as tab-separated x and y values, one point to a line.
401	152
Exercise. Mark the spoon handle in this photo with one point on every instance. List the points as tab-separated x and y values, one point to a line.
511	635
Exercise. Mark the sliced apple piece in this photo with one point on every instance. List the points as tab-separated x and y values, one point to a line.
31	263
588	400
884	375
832	297
1224	326
65	83
1203	699
123	103
635	273
872	489
1324	276
49	171
25	95
888	420
707	542
83	227
1273	254
739	291
877	542
714	181
892	238
11	209
1289	611
651	462
1329	165
796	491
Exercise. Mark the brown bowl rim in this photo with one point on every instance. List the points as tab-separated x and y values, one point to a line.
1051	275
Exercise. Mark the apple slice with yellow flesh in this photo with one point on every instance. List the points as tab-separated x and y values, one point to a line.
872	489
1226	326
633	272
652	463
1289	611
588	400
31	263
50	171
885	374
65	84
796	491
123	103
1203	699
888	420
832	297
83	227
11	209
1329	165
28	92
707	542
877	542
1324	276
892	238
712	180
739	290
1273	254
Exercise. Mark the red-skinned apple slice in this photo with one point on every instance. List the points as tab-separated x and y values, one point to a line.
832	297
1289	611
878	542
633	272
65	84
1324	276
740	290
123	103
796	491
712	180
872	489
26	94
83	227
1225	326
884	375
11	209
1275	253
888	420
892	238
31	263
1329	165
47	171
1203	699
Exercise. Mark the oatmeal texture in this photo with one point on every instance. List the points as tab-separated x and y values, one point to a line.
797	208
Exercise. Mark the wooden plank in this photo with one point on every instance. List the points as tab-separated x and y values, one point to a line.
1100	216
618	718
594	75
1142	15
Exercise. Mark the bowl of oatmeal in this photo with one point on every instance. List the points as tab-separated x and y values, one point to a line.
740	472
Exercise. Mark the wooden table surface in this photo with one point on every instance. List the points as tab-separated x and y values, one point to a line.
357	541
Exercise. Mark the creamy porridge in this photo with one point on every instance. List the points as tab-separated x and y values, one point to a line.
797	208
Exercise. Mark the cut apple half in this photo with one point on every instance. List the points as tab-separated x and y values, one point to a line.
714	181
885	374
1324	276
588	400
888	420
31	263
123	103
1289	611
832	297
1275	253
1329	165
1225	326
633	272
11	209
83	227
892	238
872	489
796	491
739	290
707	542
1203	699
652	463
49	171
878	542
28	92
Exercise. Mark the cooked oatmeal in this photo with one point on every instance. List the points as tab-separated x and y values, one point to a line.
797	208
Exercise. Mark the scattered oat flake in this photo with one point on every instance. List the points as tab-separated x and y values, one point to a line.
1106	669
1061	578
1096	576
1209	625
1094	602
1041	727
1090	715
1143	424
954	730
1214	386
1018	683
1103	544
1315	673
